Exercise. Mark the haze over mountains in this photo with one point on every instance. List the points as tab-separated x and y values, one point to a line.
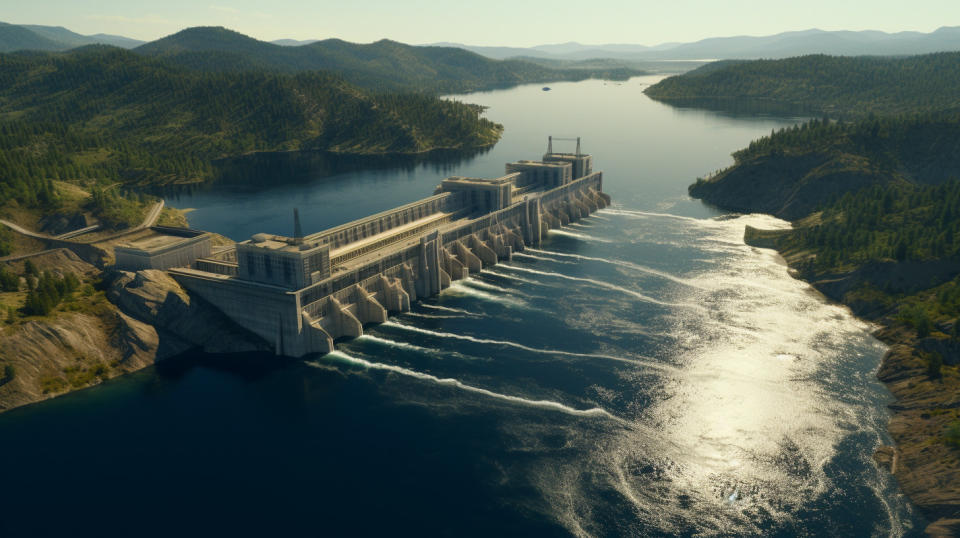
840	43
54	38
383	65
783	45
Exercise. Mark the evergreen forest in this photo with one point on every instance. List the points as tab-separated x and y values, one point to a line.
100	115
842	87
866	195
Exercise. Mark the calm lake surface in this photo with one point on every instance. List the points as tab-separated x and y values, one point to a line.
642	372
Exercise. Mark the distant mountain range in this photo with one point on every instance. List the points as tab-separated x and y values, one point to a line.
783	45
53	38
838	43
383	65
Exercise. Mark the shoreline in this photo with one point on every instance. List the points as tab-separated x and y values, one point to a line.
326	152
926	470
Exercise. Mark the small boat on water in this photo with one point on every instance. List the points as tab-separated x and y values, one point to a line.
546	88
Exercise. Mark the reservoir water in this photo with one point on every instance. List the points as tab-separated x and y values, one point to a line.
643	372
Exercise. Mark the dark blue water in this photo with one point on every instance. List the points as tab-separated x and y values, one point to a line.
642	372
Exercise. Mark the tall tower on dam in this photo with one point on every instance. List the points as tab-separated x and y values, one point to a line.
301	293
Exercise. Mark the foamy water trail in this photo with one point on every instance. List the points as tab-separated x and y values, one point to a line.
450	382
541	258
430	352
392	343
450	309
459	287
645	214
602	284
434	316
512	277
620	263
650	363
582	237
581	225
484	285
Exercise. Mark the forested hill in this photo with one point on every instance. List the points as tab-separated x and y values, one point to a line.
800	169
14	37
841	87
384	65
109	114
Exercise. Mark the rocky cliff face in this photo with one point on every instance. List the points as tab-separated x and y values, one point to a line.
182	321
148	318
927	469
72	351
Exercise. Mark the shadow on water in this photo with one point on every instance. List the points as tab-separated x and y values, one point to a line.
246	173
738	108
249	367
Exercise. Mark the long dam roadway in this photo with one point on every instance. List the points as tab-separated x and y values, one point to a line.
301	293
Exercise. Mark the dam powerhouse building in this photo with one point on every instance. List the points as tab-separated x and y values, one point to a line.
301	293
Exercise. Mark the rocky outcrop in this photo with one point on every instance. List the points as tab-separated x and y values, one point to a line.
148	318
926	468
71	351
182	321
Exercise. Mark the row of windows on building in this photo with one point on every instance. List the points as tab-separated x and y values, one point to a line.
387	241
286	266
385	223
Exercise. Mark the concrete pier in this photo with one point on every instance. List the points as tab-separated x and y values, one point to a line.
303	293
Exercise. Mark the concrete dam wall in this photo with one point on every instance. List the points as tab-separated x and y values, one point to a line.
301	293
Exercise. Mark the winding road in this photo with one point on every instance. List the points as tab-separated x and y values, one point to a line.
148	221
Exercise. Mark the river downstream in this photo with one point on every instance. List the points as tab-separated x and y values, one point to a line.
642	372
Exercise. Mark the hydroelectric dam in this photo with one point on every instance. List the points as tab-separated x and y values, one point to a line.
303	292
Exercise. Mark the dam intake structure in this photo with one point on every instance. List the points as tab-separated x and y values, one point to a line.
302	293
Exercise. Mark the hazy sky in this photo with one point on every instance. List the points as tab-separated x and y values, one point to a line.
490	22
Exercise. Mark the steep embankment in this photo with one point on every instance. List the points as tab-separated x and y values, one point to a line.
852	87
129	323
82	342
876	211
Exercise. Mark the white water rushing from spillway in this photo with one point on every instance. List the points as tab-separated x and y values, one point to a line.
621	263
543	404
583	237
740	358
